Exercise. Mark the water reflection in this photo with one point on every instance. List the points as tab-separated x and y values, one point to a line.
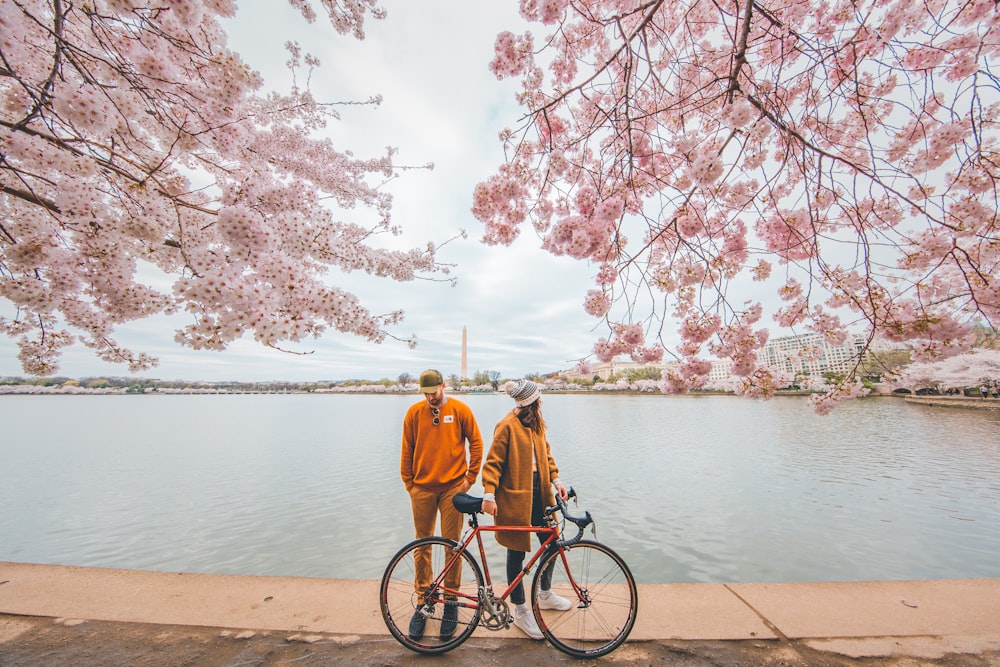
686	488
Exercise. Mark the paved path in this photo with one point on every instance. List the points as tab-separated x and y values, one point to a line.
857	617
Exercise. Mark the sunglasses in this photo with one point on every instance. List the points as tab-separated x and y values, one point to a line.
437	420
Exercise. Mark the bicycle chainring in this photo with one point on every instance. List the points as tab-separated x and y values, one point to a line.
497	616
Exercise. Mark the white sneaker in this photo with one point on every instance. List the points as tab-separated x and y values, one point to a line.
525	622
549	600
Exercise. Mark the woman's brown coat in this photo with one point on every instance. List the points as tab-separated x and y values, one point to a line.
507	473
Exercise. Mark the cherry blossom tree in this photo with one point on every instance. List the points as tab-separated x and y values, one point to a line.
964	370
841	153
134	145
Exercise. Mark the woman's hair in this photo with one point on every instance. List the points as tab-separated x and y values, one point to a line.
530	416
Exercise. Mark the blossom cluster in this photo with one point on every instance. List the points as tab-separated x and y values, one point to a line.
824	402
511	54
597	303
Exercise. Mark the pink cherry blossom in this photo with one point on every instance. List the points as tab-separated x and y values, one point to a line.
597	303
699	331
844	147
607	275
824	402
652	354
513	55
111	111
963	370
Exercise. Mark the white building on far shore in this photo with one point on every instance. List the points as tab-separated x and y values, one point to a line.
605	370
618	367
811	354
805	354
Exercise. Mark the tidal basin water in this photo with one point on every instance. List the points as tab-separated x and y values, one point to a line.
686	489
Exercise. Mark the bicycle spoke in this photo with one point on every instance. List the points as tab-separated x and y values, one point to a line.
422	560
602	613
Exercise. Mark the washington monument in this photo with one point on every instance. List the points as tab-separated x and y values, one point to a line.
465	354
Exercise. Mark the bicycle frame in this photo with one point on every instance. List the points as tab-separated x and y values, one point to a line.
438	592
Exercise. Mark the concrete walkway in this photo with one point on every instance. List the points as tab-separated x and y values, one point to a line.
958	615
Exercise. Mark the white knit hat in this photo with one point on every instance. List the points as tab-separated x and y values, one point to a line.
524	392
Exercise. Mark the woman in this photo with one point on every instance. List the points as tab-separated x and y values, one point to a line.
518	477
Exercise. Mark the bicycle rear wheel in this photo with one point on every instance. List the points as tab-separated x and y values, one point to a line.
399	600
603	594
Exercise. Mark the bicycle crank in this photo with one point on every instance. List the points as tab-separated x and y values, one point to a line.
495	612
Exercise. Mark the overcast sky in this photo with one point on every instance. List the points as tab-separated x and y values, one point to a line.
441	104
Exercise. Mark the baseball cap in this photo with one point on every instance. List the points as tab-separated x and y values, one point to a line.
430	380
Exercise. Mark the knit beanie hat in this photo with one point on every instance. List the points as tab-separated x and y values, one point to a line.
524	392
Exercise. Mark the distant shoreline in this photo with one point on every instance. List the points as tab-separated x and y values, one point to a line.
966	402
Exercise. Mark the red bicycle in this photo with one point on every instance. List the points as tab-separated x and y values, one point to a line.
589	574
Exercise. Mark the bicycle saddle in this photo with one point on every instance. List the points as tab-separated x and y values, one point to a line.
467	504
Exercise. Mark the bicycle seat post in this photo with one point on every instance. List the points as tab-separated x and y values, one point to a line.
471	526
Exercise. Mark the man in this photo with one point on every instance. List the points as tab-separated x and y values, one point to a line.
434	467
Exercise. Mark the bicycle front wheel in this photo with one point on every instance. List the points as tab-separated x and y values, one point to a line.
602	594
450	611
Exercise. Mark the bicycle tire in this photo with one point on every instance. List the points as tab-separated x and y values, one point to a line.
398	598
601	620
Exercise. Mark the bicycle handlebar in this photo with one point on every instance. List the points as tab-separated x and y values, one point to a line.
467	504
581	521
